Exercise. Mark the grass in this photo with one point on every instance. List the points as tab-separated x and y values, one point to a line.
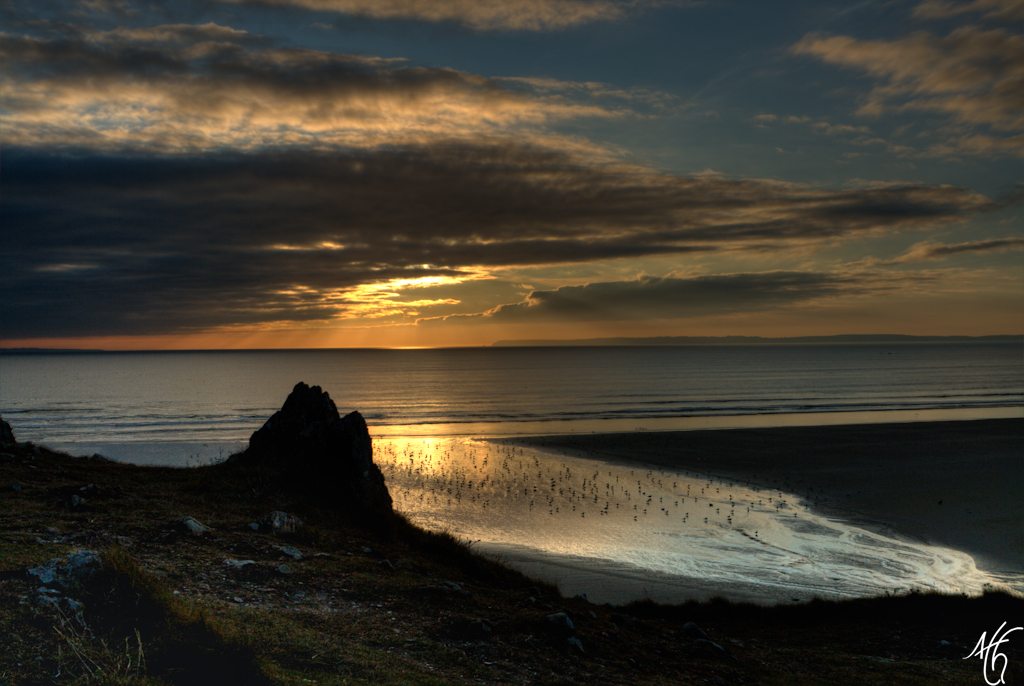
86	659
167	609
130	609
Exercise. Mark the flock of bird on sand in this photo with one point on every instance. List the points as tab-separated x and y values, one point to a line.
488	476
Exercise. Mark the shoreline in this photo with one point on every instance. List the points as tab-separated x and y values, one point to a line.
955	484
604	581
981	519
185	449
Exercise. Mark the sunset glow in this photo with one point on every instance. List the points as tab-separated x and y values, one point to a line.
341	173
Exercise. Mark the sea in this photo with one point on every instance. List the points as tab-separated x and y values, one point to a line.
441	420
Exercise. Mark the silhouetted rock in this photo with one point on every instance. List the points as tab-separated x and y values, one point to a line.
317	453
6	434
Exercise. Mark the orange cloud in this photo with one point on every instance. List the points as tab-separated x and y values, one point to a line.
187	88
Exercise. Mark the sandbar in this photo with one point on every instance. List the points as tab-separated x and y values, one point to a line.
958	484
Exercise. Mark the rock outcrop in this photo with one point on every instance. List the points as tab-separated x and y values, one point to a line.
6	433
320	454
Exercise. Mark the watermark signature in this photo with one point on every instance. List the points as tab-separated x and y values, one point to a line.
989	653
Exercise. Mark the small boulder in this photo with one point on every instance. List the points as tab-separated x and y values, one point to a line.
694	632
574	645
76	610
68	572
278	522
291	551
561	623
238	564
192	525
481	628
46	600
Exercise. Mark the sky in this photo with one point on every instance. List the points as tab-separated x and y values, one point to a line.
405	173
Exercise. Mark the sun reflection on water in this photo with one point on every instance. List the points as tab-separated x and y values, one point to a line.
666	522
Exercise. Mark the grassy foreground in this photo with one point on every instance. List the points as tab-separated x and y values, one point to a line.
383	602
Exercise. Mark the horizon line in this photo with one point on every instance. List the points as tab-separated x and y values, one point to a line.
610	341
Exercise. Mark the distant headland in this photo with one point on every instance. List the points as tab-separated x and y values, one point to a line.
46	351
756	340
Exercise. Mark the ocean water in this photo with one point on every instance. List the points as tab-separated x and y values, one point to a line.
169	404
439	419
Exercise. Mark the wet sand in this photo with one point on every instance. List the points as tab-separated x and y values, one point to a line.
954	484
607	581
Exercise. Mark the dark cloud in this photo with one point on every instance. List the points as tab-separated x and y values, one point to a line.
514	15
649	298
104	244
940	251
180	87
991	9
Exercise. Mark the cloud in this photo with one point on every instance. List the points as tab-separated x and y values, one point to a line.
481	15
928	250
670	297
973	76
104	244
838	129
183	88
991	9
761	120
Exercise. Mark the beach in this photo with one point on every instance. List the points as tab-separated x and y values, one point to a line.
951	484
768	516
